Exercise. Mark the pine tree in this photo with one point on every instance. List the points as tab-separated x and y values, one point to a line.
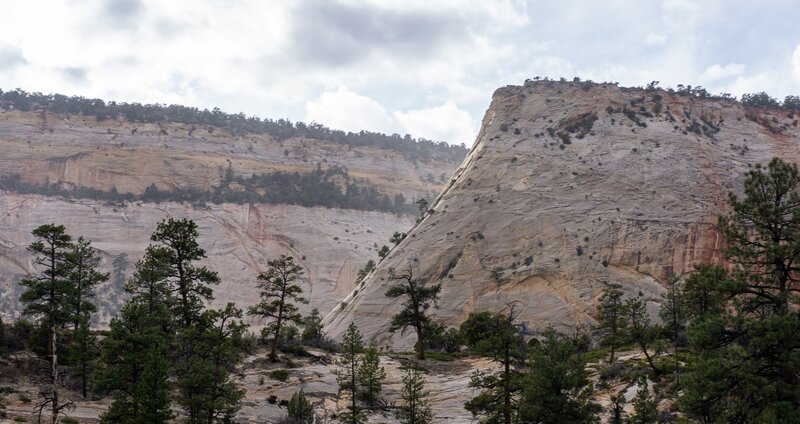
494	335
640	330
83	262
644	407
135	367
300	409
557	388
416	298
415	408
48	297
312	327
611	320
673	314
617	411
745	353
347	374
205	389
278	295
370	376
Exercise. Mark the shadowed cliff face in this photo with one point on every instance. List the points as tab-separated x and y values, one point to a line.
332	244
572	187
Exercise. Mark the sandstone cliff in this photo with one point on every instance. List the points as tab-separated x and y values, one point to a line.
571	187
80	152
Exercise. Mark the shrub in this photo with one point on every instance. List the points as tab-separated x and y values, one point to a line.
280	375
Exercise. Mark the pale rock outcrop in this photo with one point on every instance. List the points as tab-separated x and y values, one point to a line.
571	187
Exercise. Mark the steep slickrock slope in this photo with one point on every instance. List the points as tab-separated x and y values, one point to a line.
92	161
570	187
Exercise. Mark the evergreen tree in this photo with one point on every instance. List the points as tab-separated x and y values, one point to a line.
173	259
417	297
611	320
745	364
640	330
557	389
644	407
312	327
300	409
278	294
617	409
673	314
82	262
384	252
363	272
48	297
415	408
397	237
370	376
205	390
494	335
135	367
347	374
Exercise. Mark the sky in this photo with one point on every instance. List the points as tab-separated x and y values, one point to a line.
422	67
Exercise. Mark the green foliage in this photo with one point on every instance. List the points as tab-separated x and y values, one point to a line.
644	406
384	252
280	375
439	337
762	100
279	293
312	327
745	353
370	376
347	374
640	330
417	296
415	407
557	389
363	272
299	409
397	237
611	320
135	367
495	336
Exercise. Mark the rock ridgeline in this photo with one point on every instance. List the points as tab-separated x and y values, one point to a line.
571	187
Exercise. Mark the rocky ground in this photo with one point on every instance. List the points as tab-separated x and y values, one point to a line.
447	382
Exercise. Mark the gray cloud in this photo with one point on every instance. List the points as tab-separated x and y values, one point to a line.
74	75
122	12
330	33
11	57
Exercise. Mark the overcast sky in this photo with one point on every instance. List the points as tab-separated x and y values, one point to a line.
424	67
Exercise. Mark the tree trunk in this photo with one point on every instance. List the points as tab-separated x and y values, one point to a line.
507	389
656	371
54	371
420	344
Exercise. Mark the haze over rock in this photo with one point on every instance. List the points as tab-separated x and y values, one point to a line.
571	187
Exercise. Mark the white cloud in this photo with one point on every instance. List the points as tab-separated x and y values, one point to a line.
653	40
345	110
796	63
445	122
717	72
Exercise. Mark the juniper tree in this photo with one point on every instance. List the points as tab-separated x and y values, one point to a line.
611	320
48	298
415	408
347	374
370	376
417	297
494	335
279	293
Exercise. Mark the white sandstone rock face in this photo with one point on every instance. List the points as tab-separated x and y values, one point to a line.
332	244
571	187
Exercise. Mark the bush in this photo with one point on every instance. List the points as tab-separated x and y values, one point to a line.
69	420
300	409
280	375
